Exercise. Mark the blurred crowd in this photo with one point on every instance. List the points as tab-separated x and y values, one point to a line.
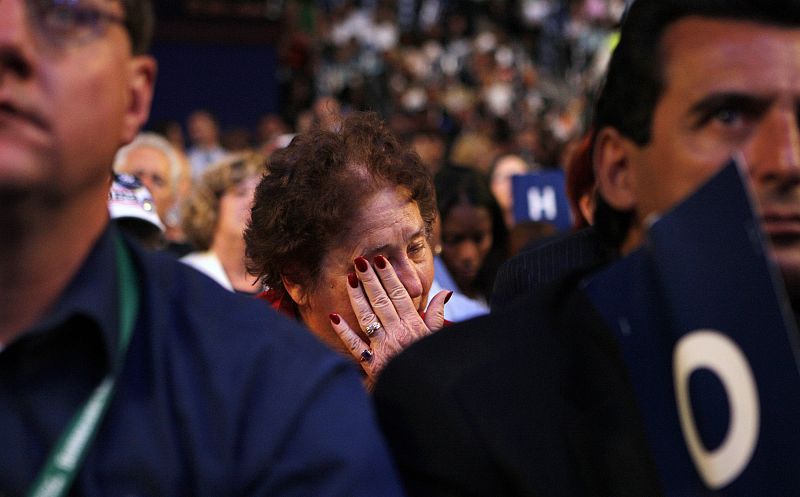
495	88
513	74
486	76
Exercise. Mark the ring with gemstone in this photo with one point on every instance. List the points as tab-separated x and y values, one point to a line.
372	328
366	355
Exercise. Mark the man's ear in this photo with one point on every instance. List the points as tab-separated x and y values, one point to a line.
295	290
586	204
612	168
141	80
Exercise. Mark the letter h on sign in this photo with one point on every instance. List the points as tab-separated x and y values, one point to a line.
542	203
541	197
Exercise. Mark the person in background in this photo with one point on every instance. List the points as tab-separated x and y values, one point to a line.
340	233
133	210
237	139
152	159
548	259
539	253
304	121
215	216
270	127
206	148
473	149
327	113
500	172
473	233
123	371
580	182
459	307
177	244
173	132
431	146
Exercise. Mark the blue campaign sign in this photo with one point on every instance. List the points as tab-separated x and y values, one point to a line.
541	196
705	328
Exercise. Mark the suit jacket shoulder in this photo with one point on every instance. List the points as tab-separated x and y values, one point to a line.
545	263
530	401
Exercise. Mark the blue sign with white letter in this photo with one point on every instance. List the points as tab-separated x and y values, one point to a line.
706	331
541	196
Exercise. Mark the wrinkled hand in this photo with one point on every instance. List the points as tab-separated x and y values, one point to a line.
381	298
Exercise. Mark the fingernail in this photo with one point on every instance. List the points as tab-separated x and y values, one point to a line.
449	294
352	280
380	261
361	264
335	319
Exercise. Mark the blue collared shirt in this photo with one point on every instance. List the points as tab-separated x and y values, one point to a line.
218	395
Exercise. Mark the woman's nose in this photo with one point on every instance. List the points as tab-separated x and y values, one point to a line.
409	277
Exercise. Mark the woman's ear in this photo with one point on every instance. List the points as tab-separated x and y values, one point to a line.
612	168
296	291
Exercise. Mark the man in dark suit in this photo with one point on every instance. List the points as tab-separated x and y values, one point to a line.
548	261
535	400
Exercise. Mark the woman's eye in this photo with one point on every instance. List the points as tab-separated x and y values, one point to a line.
416	248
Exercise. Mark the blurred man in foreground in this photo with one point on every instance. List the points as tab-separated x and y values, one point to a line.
124	372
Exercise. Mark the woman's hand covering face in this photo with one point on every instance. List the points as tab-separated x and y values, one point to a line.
387	317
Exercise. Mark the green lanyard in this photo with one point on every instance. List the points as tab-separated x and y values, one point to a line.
65	459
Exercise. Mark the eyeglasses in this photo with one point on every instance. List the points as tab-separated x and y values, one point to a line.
71	22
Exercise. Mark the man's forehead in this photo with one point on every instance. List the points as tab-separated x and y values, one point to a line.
720	30
732	54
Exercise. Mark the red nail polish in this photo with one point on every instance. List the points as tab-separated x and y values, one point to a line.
335	319
380	261
449	294
361	264
352	280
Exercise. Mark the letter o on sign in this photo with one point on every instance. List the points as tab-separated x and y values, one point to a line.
716	352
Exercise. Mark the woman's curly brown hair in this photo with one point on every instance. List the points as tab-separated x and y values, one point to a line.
200	211
314	189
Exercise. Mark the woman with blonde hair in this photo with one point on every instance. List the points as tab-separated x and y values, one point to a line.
215	216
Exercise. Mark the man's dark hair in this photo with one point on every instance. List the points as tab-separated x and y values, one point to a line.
139	21
635	77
